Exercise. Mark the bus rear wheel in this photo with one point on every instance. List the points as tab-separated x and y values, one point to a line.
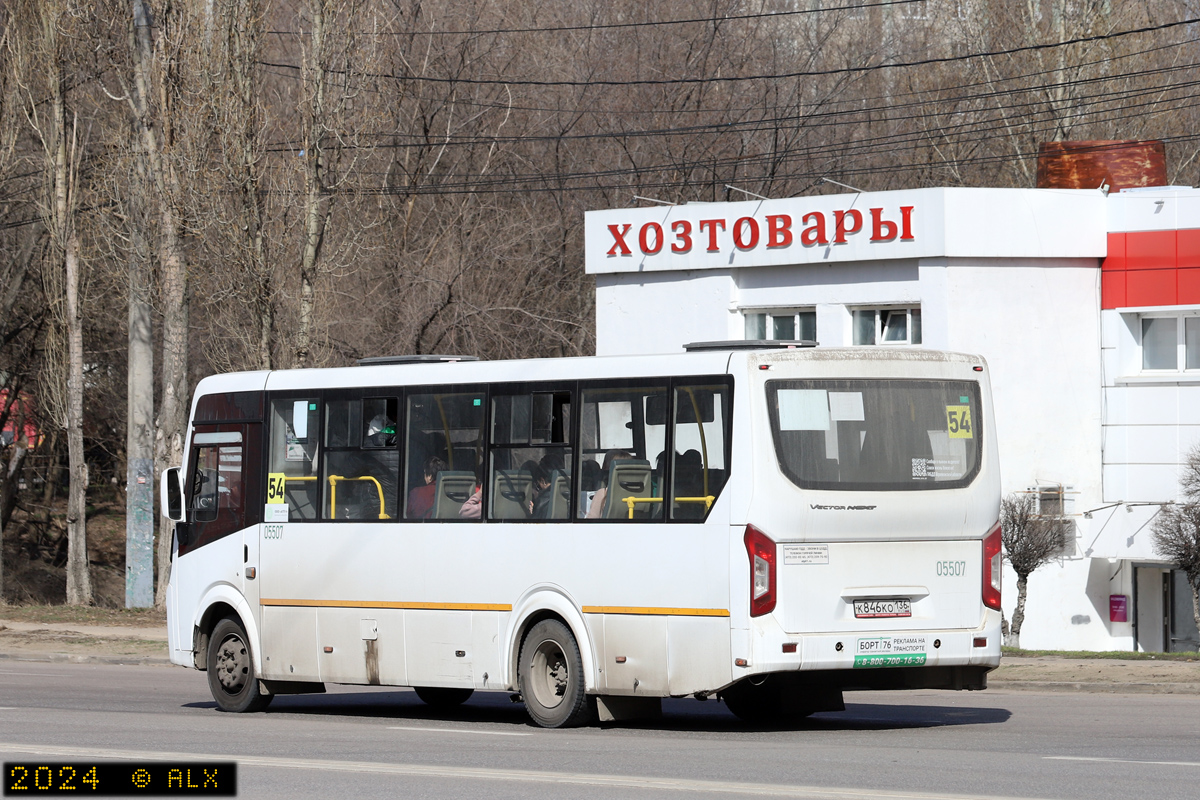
231	677
439	697
551	674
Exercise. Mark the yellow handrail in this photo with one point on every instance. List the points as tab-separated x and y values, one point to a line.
333	481
632	501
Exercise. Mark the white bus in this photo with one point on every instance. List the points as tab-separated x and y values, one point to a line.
766	525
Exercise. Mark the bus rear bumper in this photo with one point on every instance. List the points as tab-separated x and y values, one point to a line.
916	659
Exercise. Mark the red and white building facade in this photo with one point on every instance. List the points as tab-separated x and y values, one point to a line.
1086	306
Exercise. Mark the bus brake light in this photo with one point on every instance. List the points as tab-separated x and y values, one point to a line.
762	571
992	573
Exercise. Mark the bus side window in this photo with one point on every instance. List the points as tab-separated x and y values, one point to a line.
700	465
619	444
295	424
361	469
444	437
529	468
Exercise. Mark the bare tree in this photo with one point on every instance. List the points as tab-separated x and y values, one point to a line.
1031	540
1177	528
154	72
42	46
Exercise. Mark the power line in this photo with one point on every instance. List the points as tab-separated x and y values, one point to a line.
912	140
816	118
773	77
624	25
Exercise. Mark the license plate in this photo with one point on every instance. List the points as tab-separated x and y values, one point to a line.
888	607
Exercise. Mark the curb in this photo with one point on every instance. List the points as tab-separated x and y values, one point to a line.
75	658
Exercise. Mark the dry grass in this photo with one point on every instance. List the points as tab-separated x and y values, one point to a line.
85	615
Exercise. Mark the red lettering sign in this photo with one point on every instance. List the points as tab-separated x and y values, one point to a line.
619	240
906	222
741	225
881	230
775	229
840	228
779	230
815	233
712	225
683	236
644	239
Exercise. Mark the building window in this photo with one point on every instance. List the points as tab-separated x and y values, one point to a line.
1170	343
784	324
887	325
1054	508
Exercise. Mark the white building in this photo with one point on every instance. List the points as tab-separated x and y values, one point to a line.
1086	306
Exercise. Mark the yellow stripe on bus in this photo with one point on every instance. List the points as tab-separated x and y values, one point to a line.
384	604
670	612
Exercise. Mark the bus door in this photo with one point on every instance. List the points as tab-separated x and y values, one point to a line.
221	513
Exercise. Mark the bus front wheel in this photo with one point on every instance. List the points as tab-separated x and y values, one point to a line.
551	673
441	697
231	669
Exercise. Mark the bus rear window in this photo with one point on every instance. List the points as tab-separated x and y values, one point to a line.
877	435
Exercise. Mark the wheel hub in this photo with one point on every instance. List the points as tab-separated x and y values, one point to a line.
233	664
550	674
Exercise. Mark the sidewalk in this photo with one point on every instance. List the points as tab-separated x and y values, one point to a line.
1050	673
82	643
109	644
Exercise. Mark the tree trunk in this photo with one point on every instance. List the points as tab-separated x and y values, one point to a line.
173	267
139	441
1014	636
315	204
79	582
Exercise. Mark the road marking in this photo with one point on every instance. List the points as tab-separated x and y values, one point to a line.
8	708
1124	761
724	788
454	730
30	674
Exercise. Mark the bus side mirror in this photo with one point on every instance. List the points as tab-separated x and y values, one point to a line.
172	494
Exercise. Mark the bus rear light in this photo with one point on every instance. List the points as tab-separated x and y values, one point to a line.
992	573
761	551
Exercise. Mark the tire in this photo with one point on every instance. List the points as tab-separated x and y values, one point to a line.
443	698
231	674
551	675
770	701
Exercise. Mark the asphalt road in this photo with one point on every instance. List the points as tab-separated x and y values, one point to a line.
359	742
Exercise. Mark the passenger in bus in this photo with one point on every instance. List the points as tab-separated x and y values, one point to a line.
538	503
589	484
381	432
596	509
473	508
420	499
656	475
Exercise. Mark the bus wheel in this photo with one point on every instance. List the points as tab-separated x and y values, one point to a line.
551	673
442	698
769	701
231	669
